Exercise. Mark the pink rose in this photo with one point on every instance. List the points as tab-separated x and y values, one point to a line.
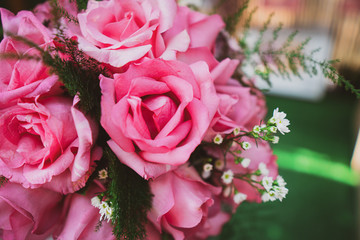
239	106
156	113
47	142
202	29
81	218
181	202
28	213
23	78
25	24
120	31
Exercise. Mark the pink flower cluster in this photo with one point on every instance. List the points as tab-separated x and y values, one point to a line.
167	93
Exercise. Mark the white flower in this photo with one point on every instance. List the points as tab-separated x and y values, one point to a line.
219	164
205	175
263	169
268	196
280	192
227	177
236	131
239	197
245	162
105	211
275	140
218	139
95	201
267	183
273	129
245	145
207	167
280	181
280	121
103	174
256	129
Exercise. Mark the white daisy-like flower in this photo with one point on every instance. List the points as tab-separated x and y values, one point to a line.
207	167
275	140
227	177
239	197
219	164
273	129
280	181
205	175
280	192
245	145
105	211
95	201
218	139
268	196
267	183
280	121
263	169
103	174
245	162
236	131
256	129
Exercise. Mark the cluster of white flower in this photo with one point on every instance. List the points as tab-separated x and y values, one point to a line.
274	189
280	121
105	210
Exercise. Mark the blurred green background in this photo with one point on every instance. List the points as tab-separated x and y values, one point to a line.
314	159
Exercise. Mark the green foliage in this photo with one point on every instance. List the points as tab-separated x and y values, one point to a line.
81	4
58	12
130	196
78	72
3	180
233	20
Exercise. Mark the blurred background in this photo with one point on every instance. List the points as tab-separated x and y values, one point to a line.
315	158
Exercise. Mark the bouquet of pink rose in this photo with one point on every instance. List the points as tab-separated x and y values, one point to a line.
119	119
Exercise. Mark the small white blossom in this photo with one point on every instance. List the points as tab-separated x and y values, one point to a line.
263	169
275	140
205	175
227	177
219	164
218	139
245	162
280	192
227	191
280	181
273	129
239	198
207	167
236	131
245	145
256	129
280	121
105	211
95	201
103	174
268	196
267	183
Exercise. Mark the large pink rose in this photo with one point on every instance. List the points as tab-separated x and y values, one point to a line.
117	32
28	213
81	218
120	31
181	202
47	142
23	78
157	112
239	106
